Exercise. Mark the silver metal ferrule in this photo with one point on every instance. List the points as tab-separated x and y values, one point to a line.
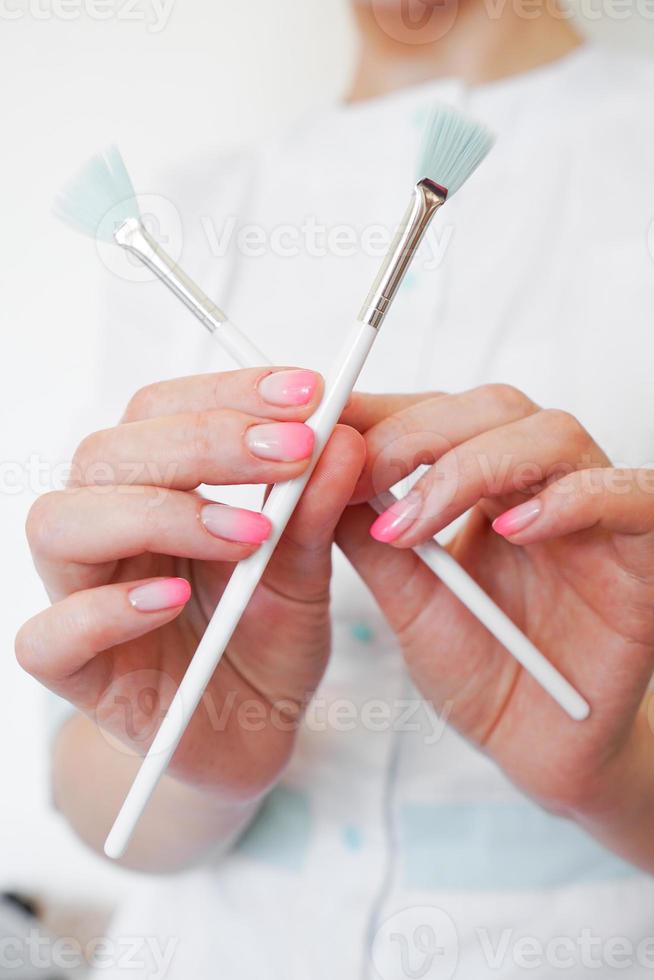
135	238
428	197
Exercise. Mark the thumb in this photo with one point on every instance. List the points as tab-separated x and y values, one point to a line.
301	565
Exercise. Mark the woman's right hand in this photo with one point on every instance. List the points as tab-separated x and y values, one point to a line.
135	560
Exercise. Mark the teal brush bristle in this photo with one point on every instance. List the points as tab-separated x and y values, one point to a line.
453	148
99	198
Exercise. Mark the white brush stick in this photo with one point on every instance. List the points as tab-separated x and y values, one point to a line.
427	199
279	508
441	562
498	624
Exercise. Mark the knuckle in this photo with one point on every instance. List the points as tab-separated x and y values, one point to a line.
508	396
564	424
354	438
27	646
86	451
398	440
140	404
398	426
40	527
558	417
427	408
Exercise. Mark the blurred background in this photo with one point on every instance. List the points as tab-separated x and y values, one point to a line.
166	80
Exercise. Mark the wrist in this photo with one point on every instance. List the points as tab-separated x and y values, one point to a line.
619	811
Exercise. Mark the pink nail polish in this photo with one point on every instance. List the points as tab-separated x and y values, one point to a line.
234	524
165	593
284	442
288	387
518	518
397	519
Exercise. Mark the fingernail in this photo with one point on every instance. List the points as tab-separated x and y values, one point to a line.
518	518
397	519
167	593
288	387
234	524
285	442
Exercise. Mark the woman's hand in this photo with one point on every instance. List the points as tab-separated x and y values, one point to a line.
135	561
570	558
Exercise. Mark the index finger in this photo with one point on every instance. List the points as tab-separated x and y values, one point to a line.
290	394
363	411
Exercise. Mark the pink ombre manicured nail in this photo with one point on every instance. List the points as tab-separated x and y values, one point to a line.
518	518
166	593
284	442
397	519
234	524
288	387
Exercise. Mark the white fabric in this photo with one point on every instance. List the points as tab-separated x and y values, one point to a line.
547	283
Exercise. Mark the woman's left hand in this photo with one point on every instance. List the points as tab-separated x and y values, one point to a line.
569	557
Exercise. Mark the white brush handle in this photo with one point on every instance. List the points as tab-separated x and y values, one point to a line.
246	576
237	345
503	629
133	236
498	624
